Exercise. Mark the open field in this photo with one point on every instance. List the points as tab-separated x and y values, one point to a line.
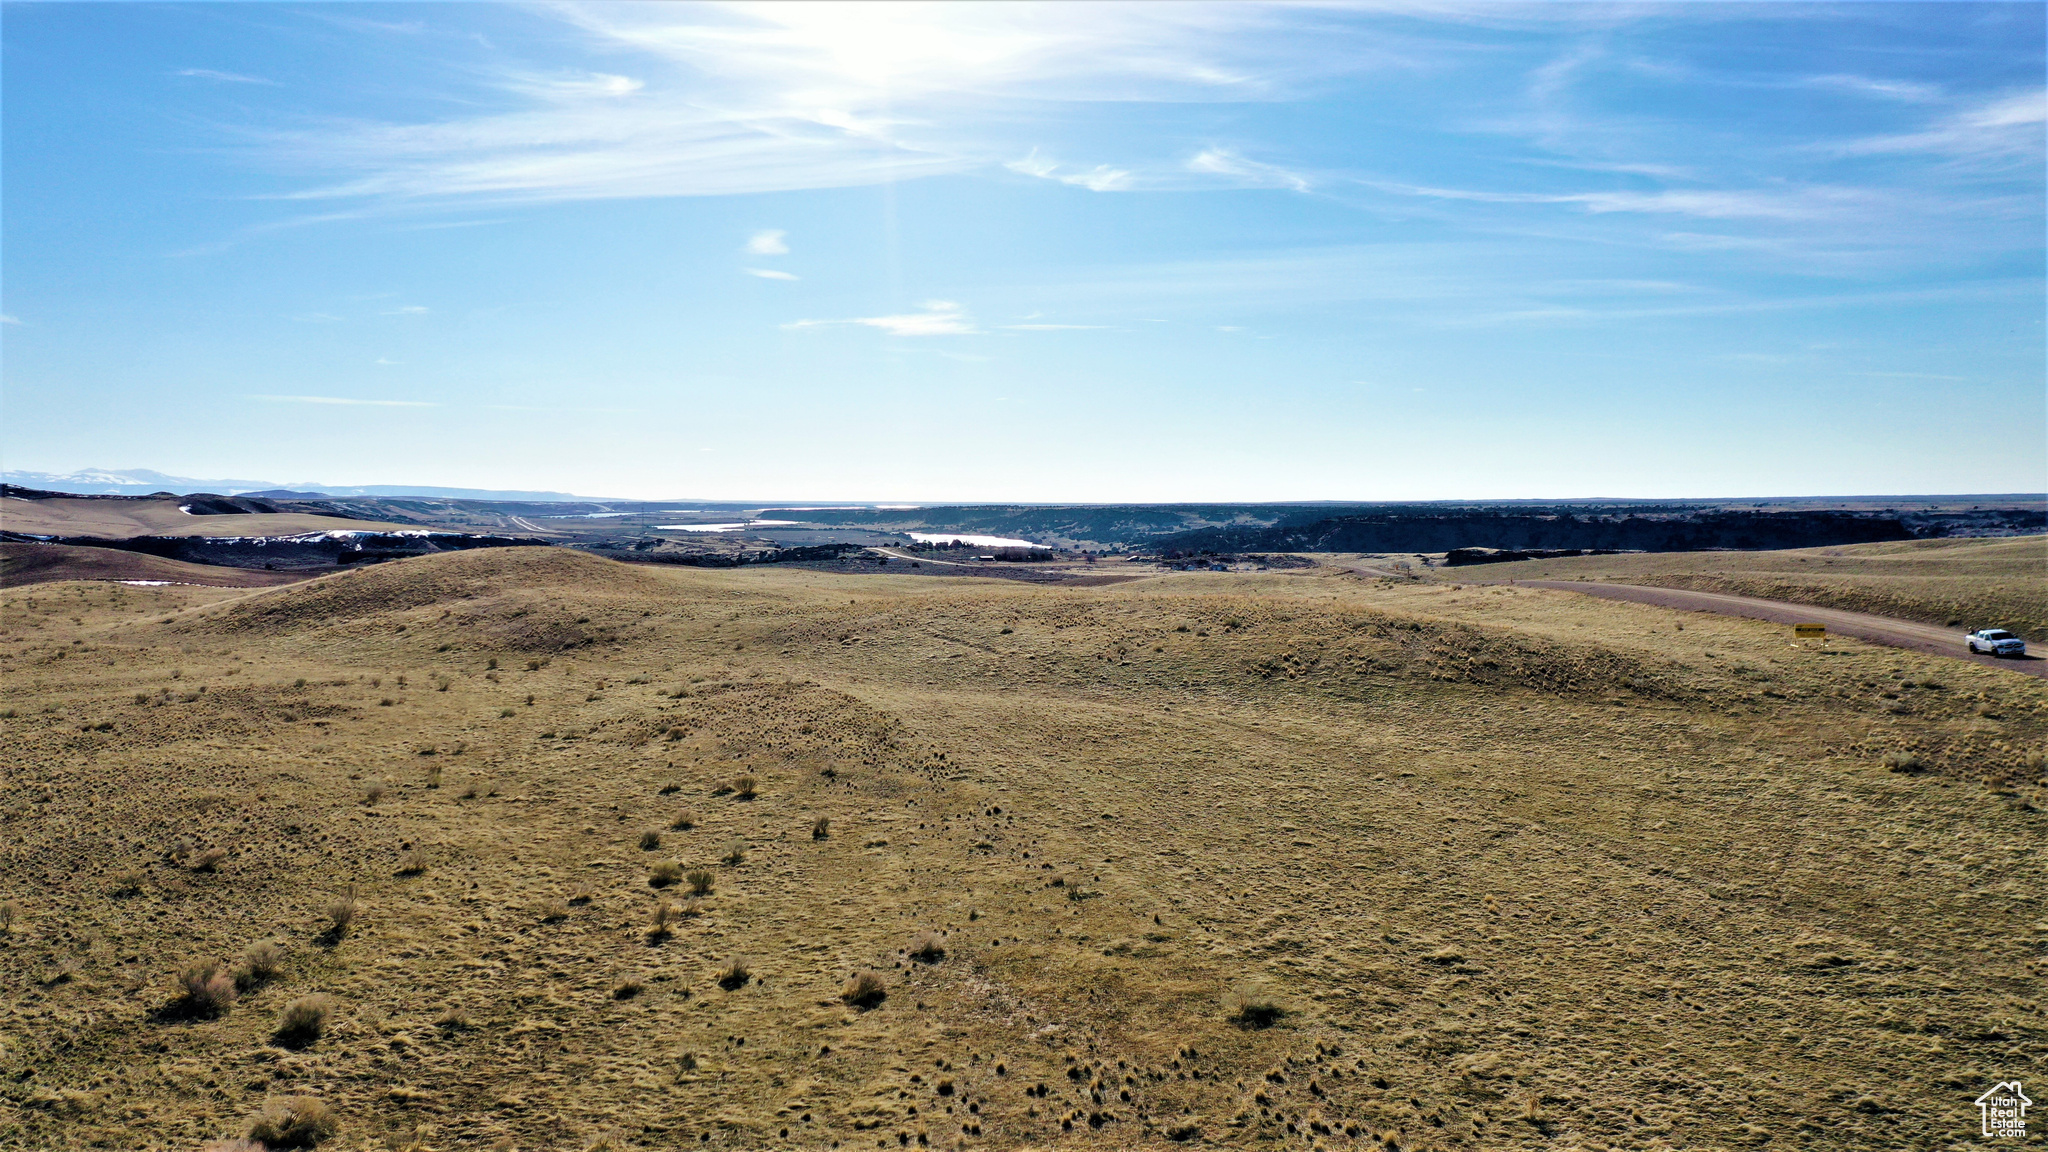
1963	583
116	519
22	564
1261	860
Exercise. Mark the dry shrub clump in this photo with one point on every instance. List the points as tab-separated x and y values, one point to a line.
745	787
684	821
1253	1007
821	828
927	948
412	862
735	974
304	1020
664	915
342	911
865	990
665	873
261	962
628	988
9	910
292	1122
1907	762
735	853
650	840
208	989
700	882
208	860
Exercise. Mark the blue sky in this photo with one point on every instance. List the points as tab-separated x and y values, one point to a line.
1074	252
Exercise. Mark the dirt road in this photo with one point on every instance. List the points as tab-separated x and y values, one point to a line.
1877	629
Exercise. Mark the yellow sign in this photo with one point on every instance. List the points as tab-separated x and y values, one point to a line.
1810	631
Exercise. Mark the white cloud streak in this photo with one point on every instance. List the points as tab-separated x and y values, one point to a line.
769	242
225	77
346	401
760	97
2007	128
939	318
1101	178
769	274
1246	173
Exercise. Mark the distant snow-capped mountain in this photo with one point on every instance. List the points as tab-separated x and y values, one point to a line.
142	482
127	482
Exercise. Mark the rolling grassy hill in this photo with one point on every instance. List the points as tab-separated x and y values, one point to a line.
1259	860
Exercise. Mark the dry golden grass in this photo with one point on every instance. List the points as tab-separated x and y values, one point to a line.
1963	583
118	519
1484	868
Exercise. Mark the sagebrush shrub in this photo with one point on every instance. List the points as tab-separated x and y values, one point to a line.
865	990
304	1020
342	910
735	974
208	988
292	1122
261	962
700	882
927	948
665	873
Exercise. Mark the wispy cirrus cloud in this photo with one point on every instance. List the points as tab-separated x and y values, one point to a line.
2006	128
345	400
743	97
769	242
1246	173
938	318
770	273
1101	178
224	77
1799	203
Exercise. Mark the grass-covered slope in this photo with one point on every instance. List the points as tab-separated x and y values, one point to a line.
1243	861
1999	582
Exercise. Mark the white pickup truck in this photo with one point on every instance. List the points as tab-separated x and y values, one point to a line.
1996	641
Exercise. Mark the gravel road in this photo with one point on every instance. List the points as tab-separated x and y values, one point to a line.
1878	629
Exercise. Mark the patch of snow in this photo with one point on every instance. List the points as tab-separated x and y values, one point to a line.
971	540
148	583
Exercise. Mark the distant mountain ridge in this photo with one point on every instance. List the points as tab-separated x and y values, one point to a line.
143	481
